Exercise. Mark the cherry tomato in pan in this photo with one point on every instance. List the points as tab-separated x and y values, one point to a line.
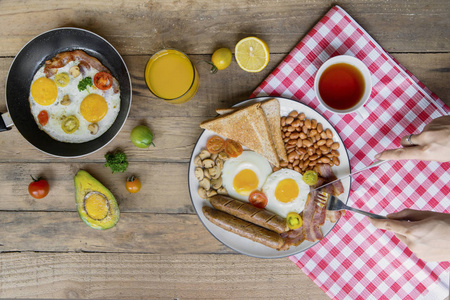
38	188
233	148
103	80
215	144
43	117
133	184
258	199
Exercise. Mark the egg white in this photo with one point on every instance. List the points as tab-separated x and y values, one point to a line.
57	112
280	208
247	160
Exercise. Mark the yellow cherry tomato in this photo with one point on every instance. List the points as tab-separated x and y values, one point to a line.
221	59
294	220
70	124
310	177
133	184
62	79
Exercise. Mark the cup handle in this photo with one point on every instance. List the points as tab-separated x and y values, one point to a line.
362	113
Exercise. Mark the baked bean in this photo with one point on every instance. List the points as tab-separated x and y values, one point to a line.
283	164
292	142
323	135
313	123
336	161
276	169
288	146
319	127
335	153
283	121
289	120
297	169
292	156
296	123
335	146
293	114
329	133
314	157
290	149
313	132
303	135
290	166
301	116
308	123
321	142
324	160
286	140
324	148
302	151
305	130
296	162
307	143
329	143
291	128
299	143
294	135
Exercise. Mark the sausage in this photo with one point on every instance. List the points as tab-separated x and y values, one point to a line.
250	213
243	228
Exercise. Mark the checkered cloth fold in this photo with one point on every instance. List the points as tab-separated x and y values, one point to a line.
356	260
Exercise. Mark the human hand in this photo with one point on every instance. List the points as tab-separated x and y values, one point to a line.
433	144
426	233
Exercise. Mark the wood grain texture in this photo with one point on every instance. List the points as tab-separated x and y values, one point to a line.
138	27
151	276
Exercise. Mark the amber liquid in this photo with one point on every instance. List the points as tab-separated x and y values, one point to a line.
341	86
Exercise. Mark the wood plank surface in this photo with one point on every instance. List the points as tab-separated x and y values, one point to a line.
151	276
159	248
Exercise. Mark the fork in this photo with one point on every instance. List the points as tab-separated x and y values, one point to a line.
334	203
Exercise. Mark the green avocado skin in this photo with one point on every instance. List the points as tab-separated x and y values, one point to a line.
84	184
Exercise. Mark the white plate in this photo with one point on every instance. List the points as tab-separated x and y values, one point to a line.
246	246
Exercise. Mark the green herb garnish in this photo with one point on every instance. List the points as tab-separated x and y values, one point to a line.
117	161
84	83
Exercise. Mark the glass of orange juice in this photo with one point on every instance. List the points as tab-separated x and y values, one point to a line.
171	76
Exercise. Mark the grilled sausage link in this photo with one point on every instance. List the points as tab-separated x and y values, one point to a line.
243	228
250	213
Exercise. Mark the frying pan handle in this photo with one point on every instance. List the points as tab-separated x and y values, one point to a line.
5	122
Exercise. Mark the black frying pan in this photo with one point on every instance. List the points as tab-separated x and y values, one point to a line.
32	57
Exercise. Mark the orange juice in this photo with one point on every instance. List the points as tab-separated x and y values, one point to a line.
170	75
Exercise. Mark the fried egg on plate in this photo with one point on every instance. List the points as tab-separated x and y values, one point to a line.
286	192
91	106
243	174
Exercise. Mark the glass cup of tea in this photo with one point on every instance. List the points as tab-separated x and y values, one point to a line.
170	75
343	85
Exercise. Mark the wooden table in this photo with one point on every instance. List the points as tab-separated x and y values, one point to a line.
160	249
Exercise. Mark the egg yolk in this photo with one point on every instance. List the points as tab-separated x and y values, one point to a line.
93	108
287	190
245	182
96	206
44	91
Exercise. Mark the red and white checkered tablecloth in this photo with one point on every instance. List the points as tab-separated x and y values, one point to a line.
356	260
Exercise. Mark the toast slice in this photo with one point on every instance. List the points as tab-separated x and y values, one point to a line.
249	127
271	109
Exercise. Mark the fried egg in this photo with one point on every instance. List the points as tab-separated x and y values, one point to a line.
243	174
286	192
71	112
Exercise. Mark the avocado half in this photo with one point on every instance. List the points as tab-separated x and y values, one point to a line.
96	205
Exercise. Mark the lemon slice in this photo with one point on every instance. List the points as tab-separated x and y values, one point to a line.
252	54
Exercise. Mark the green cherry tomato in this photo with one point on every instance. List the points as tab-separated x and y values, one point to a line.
310	177
141	136
221	59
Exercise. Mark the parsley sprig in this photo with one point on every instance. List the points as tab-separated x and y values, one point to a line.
84	84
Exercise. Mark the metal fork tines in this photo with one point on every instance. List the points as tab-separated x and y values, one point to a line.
332	202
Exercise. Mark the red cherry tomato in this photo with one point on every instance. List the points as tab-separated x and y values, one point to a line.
103	80
233	148
43	117
215	144
258	199
133	184
38	188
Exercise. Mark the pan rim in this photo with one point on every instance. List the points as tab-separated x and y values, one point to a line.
130	94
